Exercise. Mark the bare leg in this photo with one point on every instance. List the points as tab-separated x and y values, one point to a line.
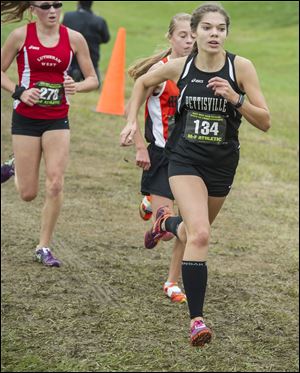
27	152
55	146
178	248
176	261
198	211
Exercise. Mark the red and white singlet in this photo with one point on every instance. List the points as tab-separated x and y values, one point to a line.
44	68
159	108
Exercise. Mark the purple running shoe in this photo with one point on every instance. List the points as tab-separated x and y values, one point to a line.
200	334
44	256
7	169
156	233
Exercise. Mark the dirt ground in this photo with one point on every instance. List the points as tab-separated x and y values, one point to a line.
104	309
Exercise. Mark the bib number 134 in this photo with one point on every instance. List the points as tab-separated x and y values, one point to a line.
205	128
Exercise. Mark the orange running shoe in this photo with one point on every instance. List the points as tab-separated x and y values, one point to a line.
174	292
145	208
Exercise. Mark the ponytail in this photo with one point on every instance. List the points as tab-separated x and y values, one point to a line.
13	11
144	64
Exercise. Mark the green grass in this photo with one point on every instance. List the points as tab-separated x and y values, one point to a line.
104	309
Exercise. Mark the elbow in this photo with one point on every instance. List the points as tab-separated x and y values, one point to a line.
267	123
96	83
264	123
267	126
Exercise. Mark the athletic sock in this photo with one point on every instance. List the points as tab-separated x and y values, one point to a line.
194	278
172	223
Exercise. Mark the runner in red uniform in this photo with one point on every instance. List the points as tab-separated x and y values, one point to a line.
40	125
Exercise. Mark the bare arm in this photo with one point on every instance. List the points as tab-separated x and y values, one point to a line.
81	50
9	51
169	71
255	110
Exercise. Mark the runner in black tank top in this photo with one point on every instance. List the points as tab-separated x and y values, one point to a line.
203	148
209	124
206	134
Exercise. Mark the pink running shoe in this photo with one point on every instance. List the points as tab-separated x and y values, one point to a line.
156	233
200	334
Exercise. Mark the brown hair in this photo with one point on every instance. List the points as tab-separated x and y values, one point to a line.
141	66
199	12
13	11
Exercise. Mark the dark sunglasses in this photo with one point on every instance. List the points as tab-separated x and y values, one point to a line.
48	6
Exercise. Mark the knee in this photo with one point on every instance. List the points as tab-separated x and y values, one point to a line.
54	186
28	195
199	238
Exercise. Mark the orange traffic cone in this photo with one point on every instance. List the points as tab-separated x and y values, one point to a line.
111	100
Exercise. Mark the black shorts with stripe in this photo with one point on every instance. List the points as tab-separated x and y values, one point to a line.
155	180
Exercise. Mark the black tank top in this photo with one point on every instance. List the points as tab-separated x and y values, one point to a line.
206	129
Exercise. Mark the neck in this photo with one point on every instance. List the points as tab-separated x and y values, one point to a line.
210	62
174	55
49	30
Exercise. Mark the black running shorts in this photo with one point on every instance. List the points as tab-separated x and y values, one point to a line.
217	180
36	127
155	180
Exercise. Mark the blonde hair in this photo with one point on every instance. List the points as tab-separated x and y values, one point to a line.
13	11
199	12
142	65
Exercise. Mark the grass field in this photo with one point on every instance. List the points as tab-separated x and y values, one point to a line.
104	309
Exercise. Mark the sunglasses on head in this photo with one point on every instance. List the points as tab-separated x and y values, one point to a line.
48	6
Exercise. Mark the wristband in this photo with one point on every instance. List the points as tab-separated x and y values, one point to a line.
240	101
18	92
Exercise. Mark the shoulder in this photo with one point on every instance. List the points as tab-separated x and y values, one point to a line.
74	36
19	32
245	71
243	64
172	70
17	36
77	40
176	63
156	65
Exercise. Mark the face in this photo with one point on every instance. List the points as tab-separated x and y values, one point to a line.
182	39
211	32
50	16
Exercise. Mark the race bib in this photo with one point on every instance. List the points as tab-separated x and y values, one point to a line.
51	93
205	128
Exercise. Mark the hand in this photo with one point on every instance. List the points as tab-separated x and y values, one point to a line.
30	96
127	135
142	159
69	86
221	87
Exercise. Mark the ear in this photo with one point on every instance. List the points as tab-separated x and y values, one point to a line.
31	10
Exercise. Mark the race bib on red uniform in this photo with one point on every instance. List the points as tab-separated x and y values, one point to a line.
205	128
51	94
